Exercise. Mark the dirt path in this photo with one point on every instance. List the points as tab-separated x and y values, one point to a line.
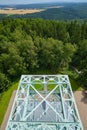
81	101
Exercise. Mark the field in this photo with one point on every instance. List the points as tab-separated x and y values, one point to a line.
25	11
19	11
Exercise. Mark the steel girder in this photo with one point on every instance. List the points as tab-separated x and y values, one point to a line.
44	102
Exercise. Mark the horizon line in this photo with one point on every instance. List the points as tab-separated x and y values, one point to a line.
45	2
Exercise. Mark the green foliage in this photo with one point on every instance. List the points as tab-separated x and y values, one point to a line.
83	78
55	55
28	51
10	62
31	45
80	57
80	62
75	32
4	82
75	85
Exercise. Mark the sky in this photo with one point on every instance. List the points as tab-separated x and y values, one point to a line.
4	2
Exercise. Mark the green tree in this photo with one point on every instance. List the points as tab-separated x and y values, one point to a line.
80	56
4	82
74	29
28	52
53	54
11	63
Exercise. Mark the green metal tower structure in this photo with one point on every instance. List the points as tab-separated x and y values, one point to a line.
44	102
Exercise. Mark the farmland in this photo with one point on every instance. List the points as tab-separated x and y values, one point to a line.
19	11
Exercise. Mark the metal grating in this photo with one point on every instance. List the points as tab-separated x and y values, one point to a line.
44	102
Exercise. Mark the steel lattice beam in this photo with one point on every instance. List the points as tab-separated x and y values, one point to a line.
44	102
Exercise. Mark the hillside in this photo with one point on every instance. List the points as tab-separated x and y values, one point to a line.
57	11
67	12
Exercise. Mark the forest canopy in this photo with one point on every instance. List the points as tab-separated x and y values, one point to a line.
28	45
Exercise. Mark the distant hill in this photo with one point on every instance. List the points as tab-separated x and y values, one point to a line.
32	6
68	11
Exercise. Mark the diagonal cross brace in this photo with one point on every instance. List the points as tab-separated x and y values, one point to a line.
44	99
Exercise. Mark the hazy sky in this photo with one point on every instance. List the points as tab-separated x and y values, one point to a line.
35	1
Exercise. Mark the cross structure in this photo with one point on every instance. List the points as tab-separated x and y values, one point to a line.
44	102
